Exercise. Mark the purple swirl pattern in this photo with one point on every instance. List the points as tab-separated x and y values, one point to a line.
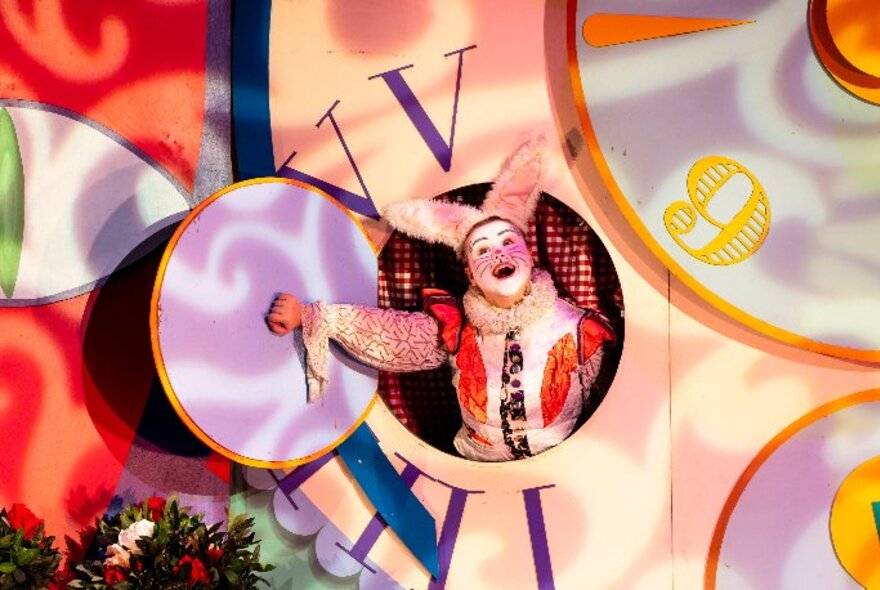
242	387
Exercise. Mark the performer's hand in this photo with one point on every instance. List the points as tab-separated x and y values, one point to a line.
285	314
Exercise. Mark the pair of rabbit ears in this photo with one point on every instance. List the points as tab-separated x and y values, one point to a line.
513	197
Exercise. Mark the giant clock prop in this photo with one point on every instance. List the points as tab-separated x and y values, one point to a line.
678	120
747	159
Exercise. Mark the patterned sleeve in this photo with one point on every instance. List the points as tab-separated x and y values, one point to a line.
593	332
385	339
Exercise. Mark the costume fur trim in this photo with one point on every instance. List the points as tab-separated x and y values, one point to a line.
489	319
316	337
437	222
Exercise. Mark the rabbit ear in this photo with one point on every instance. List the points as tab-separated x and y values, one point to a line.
433	221
513	197
515	192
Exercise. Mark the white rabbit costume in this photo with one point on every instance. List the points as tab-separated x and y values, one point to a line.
521	373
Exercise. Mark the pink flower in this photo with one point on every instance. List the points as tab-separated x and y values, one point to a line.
119	554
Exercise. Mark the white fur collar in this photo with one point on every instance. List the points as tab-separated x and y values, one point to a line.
489	319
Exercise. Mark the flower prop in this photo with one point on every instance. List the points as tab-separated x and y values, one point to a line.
158	544
27	558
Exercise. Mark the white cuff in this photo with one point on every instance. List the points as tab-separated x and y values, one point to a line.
316	334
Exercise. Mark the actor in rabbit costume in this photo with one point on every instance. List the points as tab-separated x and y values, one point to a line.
523	360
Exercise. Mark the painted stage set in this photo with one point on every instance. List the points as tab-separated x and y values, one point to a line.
707	195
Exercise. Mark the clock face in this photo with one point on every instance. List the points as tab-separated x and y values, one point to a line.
378	104
801	514
238	387
374	103
744	154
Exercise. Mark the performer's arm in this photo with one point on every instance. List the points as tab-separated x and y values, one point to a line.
386	339
594	332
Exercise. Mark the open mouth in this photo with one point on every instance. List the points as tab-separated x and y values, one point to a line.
503	271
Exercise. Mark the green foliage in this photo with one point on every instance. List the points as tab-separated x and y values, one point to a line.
27	558
181	552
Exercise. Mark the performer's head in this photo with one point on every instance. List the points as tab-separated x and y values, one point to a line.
497	261
490	240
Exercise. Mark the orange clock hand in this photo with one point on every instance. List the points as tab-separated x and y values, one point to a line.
602	30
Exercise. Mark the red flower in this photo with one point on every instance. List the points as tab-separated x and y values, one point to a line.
215	554
113	575
156	506
20	517
198	573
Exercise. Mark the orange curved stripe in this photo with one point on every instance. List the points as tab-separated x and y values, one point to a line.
849	59
603	29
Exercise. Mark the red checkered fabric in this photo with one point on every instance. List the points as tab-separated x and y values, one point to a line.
560	241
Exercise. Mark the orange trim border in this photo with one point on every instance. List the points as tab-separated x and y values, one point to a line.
641	230
157	350
823	411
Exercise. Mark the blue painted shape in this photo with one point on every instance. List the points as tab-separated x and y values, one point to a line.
391	496
251	127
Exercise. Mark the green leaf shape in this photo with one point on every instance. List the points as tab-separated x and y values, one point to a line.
26	556
11	204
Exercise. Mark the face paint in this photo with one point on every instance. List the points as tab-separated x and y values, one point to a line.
499	262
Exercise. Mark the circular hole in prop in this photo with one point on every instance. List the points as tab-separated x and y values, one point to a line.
561	243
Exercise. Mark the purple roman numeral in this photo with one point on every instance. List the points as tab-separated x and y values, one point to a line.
441	149
538	535
362	204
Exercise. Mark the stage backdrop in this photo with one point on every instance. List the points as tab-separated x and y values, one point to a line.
725	155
